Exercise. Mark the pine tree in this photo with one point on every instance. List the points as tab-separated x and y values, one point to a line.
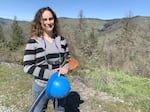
2	38
17	38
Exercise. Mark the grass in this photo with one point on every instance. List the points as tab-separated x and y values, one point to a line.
15	86
15	94
131	88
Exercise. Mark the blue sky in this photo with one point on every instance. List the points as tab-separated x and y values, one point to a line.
101	9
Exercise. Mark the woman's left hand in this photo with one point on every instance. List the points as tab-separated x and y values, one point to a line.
62	70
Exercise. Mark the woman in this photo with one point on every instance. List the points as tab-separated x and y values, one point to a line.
45	51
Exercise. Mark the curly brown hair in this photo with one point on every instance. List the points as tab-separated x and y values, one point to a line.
36	28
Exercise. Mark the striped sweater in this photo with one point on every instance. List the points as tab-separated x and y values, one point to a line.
38	52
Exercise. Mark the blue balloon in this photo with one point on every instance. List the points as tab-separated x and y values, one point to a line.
58	86
49	84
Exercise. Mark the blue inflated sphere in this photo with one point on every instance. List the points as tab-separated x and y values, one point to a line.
58	86
49	84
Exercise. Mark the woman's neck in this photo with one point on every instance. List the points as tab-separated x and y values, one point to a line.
48	37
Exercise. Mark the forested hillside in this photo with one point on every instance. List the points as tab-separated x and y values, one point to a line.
118	43
114	64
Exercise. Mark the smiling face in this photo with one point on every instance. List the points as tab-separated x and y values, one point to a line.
47	21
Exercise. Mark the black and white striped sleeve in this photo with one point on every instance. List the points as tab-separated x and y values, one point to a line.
42	72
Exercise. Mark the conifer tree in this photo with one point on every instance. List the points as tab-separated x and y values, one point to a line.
17	38
2	38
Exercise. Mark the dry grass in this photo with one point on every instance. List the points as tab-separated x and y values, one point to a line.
15	89
15	94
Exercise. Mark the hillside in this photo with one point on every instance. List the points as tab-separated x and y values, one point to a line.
114	70
117	43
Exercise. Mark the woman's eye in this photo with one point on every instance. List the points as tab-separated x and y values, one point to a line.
45	19
51	18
